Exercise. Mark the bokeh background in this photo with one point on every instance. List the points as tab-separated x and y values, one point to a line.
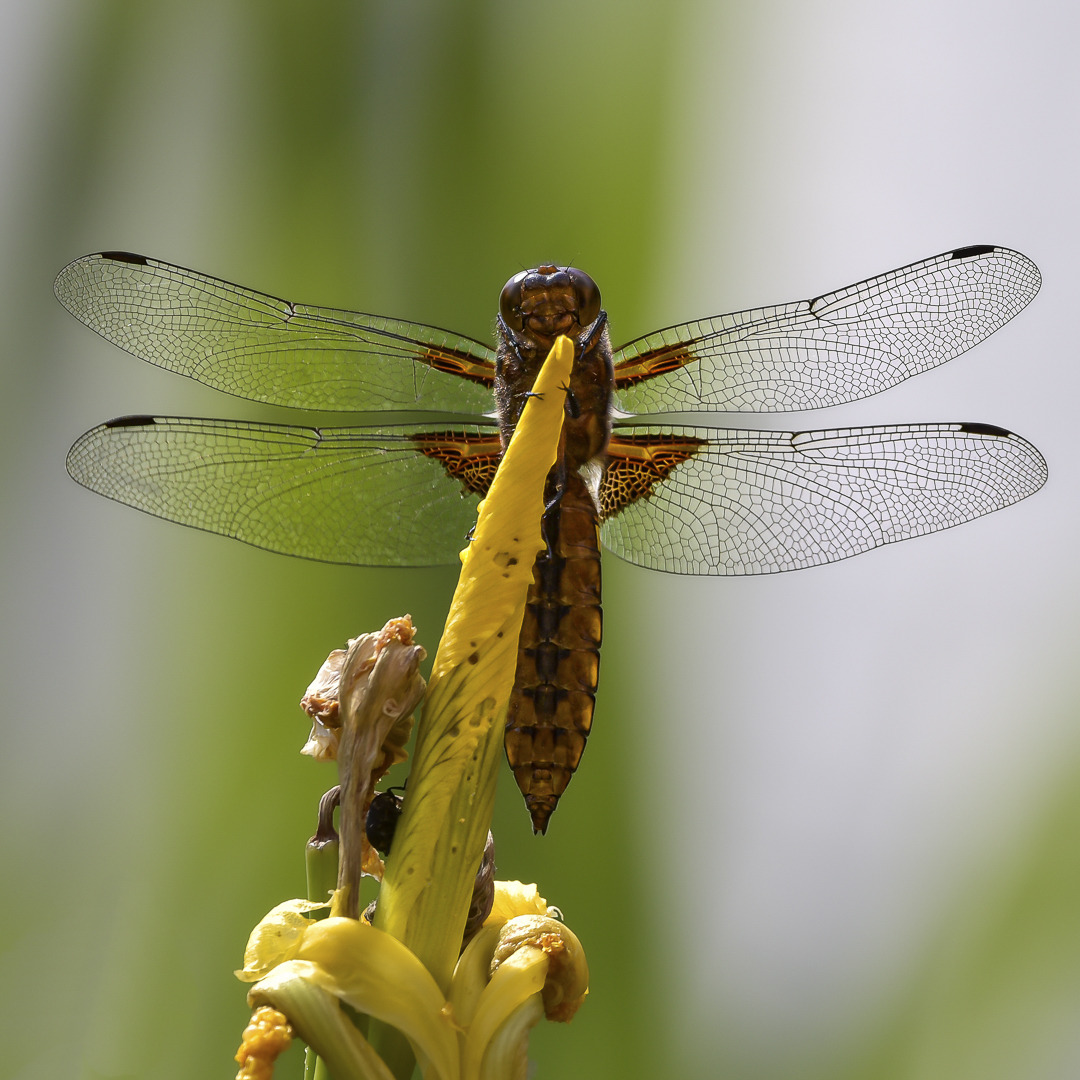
828	824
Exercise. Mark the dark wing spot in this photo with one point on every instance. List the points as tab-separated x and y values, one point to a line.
130	421
985	429
971	252
124	256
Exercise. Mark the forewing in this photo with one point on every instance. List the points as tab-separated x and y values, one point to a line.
839	347
365	496
721	501
263	348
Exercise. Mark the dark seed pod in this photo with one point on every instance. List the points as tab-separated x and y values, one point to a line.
483	892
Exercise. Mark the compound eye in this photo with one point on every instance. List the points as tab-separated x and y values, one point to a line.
510	302
588	296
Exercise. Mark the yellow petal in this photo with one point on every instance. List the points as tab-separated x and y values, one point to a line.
304	993
459	742
514	898
473	973
533	959
507	1054
520	978
377	975
277	937
567	980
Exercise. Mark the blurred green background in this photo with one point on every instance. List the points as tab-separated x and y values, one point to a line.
828	823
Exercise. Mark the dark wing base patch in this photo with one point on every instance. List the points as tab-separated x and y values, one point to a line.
472	460
637	463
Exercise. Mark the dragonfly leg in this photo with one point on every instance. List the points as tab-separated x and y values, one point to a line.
596	329
557	486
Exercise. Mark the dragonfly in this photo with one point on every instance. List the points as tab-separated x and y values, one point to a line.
686	499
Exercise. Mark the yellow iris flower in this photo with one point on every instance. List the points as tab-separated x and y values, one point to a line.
466	1017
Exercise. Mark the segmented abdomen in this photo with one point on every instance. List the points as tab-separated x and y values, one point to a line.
551	707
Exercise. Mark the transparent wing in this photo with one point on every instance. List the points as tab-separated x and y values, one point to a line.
839	347
262	348
345	495
759	502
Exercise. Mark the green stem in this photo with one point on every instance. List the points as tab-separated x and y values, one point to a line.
314	1066
393	1048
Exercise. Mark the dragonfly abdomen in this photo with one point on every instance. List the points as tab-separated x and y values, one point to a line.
551	707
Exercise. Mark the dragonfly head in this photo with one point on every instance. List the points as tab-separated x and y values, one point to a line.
549	301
